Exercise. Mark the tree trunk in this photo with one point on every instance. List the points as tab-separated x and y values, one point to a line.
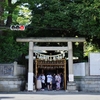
9	18
1	12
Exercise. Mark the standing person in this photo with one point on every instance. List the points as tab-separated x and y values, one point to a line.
58	81
49	81
62	80
39	85
53	82
43	81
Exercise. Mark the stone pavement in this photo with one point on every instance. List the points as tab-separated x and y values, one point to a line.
49	95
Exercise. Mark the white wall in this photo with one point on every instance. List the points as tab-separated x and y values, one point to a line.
80	69
94	61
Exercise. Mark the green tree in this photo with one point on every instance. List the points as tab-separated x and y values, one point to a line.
51	18
1	12
16	12
10	50
66	19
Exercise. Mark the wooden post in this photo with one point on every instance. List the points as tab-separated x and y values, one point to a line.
36	72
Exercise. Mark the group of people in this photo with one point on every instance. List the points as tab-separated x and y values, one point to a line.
52	82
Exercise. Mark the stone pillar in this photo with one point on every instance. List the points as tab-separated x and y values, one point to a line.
30	67
70	62
15	68
71	85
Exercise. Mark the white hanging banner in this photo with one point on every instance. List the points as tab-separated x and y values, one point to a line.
50	57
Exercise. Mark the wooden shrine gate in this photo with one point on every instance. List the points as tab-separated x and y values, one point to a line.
51	65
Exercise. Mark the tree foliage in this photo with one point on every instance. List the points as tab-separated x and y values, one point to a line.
10	50
76	18
50	18
14	13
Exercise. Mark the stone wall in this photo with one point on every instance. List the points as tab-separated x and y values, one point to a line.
87	75
6	69
12	77
19	69
11	84
88	83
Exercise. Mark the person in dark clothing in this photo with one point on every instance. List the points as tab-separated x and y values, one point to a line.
53	82
62	80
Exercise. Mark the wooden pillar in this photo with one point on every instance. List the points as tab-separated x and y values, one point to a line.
36	72
30	67
70	62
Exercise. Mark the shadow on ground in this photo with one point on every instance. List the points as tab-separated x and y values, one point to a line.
6	98
51	93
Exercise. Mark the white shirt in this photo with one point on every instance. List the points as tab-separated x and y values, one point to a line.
43	79
58	78
49	78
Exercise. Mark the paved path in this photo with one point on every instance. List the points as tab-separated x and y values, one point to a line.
49	96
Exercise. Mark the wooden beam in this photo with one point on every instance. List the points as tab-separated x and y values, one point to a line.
49	48
51	39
